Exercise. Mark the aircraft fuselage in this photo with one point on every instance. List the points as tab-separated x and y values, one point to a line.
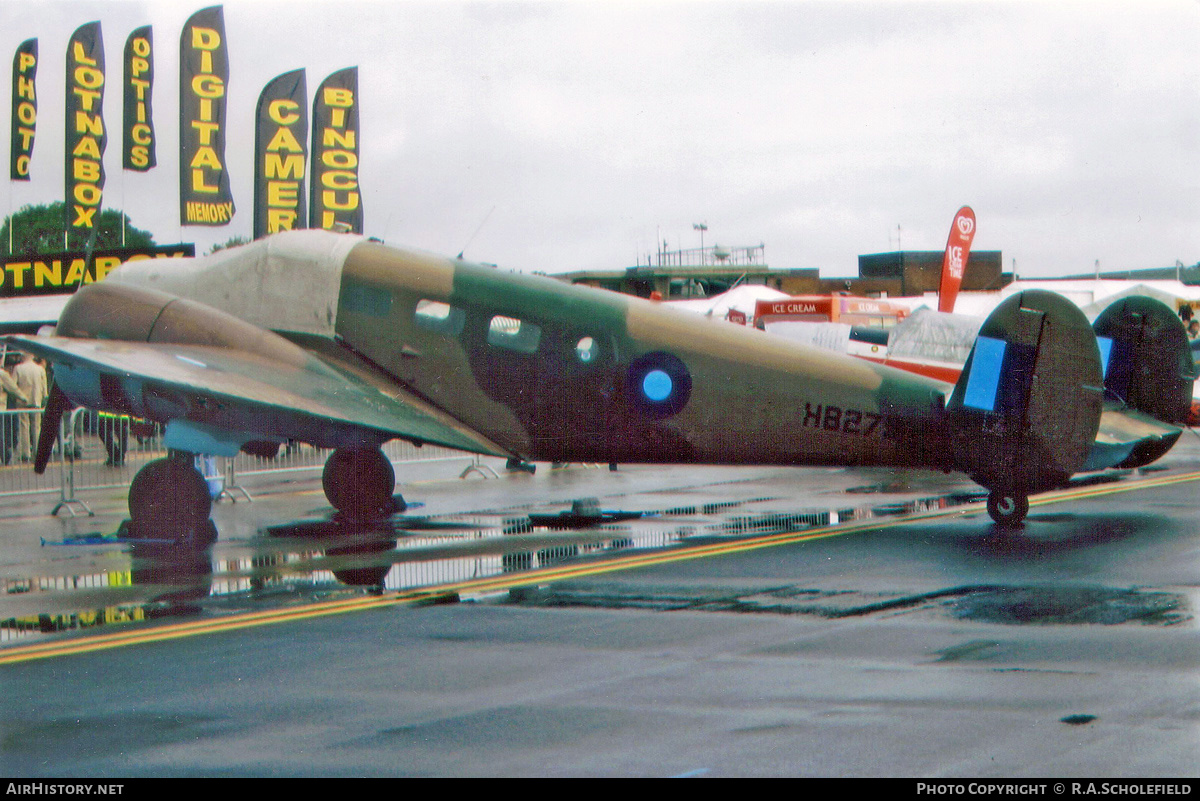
553	371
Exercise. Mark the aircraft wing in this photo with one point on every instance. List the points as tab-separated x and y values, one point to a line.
212	390
24	315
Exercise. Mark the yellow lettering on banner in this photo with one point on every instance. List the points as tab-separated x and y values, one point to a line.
329	200
105	265
206	157
87	194
280	220
283	194
87	97
337	172
290	167
89	125
26	114
17	271
283	111
139	156
86	170
25	88
340	159
334	138
205	39
338	96
89	77
81	56
140	133
208	212
142	87
209	86
26	61
198	184
87	147
339	179
47	274
206	130
75	272
284	139
22	165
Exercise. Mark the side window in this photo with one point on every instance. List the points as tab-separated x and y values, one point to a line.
587	350
513	334
441	318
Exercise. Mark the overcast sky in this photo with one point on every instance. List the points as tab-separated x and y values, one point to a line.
557	136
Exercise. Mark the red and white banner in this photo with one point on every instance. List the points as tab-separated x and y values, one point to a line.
954	263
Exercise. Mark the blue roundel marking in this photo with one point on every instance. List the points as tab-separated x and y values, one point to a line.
659	385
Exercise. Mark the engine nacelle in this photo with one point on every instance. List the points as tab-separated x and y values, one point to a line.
120	312
1025	411
134	314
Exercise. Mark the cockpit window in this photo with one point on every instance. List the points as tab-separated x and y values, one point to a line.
439	317
513	334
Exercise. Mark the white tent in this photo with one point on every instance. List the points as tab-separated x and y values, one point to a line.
740	298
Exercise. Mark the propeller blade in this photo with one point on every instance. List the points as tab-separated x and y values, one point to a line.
56	405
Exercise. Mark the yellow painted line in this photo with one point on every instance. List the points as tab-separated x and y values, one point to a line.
87	644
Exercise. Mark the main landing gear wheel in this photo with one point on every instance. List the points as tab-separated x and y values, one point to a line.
170	500
1007	508
360	482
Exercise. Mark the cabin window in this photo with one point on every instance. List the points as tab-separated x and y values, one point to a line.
586	350
513	334
439	317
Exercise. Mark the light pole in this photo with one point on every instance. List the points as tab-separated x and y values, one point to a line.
701	227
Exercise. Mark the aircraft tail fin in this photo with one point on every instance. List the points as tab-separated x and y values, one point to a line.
1025	411
1148	367
1147	360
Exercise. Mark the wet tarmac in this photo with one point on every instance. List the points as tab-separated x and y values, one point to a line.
648	621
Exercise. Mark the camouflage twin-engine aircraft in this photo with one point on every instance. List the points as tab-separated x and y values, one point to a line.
345	343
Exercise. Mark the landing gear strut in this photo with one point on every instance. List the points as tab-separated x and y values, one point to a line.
170	500
360	482
1007	508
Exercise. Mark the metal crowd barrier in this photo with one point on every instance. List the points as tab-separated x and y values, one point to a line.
102	451
16	469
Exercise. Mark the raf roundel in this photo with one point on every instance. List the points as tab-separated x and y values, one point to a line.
659	384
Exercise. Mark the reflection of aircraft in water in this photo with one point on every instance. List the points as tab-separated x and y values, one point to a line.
345	343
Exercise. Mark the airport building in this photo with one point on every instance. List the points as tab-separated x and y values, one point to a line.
704	272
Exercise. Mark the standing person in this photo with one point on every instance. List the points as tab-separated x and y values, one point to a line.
31	378
11	396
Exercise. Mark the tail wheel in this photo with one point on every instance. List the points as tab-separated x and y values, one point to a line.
1007	508
360	482
171	495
